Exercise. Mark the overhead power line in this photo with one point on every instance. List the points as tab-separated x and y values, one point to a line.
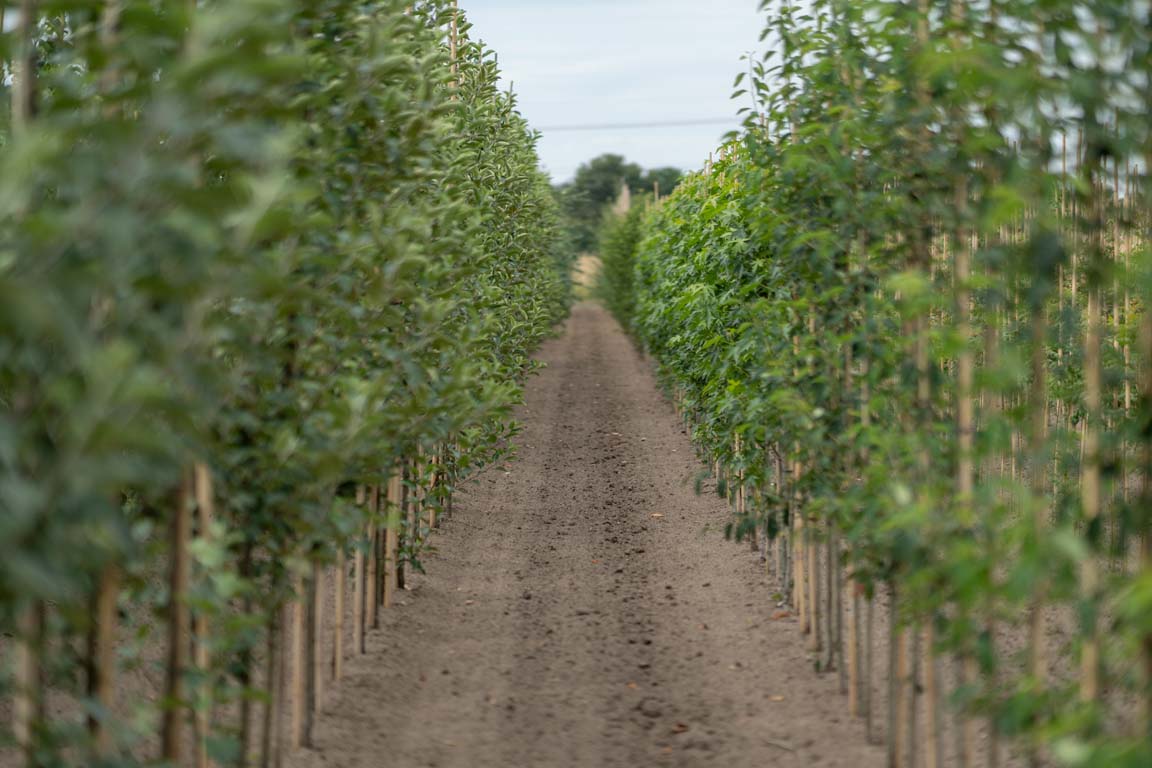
636	126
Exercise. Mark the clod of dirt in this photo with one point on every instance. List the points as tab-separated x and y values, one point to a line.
649	707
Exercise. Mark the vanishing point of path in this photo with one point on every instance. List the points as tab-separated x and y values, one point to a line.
584	609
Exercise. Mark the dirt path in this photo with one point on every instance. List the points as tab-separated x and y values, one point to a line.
585	610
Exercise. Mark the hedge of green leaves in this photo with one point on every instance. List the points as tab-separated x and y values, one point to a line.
297	242
913	289
619	238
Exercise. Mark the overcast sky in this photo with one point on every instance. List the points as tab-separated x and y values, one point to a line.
595	62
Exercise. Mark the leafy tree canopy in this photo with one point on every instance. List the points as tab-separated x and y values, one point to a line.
597	184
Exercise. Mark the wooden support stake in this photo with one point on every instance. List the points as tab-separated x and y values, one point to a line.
866	678
412	519
171	738
833	659
933	753
813	580
406	532
102	657
338	618
297	688
371	572
897	672
281	661
318	661
391	536
27	683
433	481
912	694
270	724
799	577
1091	496
854	649
359	592
205	510
24	69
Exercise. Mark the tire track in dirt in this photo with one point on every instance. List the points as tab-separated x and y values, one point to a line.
583	608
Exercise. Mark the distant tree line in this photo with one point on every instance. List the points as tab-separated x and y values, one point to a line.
597	184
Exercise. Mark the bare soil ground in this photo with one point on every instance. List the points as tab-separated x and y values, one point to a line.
584	609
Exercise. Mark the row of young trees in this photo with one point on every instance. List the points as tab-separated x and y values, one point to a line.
270	273
905	313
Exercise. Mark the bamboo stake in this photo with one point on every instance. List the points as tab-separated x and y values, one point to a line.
811	545
799	579
1146	387
318	661
171	740
782	544
391	537
854	651
28	683
836	596
866	678
429	489
205	510
415	500
1090	494
372	567
993	746
933	723
358	586
281	660
1128	208
862	679
406	534
271	719
450	452
742	494
1146	548
913	650
102	657
24	69
966	672
109	39
897	663
1038	665
378	552
965	368
296	731
338	616
812	554
434	486
830	589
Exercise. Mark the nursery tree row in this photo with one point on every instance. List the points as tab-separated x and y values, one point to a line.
270	274
904	312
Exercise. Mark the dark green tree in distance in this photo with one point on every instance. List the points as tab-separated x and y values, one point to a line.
597	184
667	178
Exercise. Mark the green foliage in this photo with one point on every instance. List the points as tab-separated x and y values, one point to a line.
291	241
804	301
619	240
